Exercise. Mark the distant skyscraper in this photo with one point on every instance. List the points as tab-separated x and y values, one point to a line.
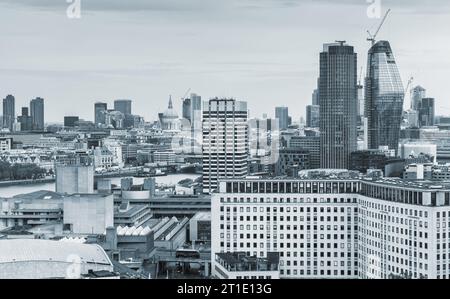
225	141
25	120
417	94
360	101
282	114
384	97
71	121
192	112
100	110
427	112
315	97
123	106
37	114
338	105
9	112
313	116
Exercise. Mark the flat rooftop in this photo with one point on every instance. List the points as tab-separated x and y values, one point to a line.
240	261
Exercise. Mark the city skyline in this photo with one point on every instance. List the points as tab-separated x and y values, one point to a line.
261	69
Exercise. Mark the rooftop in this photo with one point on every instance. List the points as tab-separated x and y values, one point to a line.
239	261
27	250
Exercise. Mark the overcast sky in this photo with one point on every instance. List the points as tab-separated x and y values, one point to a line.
265	52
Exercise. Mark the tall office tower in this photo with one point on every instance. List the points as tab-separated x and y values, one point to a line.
417	94
338	105
9	112
282	114
315	97
100	110
25	120
225	141
360	101
123	106
192	112
75	175
37	114
384	97
313	116
427	112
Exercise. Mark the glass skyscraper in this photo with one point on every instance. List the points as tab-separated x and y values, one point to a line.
338	98
384	97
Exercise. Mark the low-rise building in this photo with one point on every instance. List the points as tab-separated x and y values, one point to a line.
238	265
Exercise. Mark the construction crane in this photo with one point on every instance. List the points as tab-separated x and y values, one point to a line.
185	95
372	38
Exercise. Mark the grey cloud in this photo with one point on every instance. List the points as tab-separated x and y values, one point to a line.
410	6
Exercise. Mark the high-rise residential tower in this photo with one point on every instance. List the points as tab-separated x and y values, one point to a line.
37	114
384	94
225	141
338	105
9	111
100	110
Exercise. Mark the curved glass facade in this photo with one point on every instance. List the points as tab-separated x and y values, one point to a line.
384	97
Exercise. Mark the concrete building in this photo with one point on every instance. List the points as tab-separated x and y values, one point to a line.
310	144
75	175
336	225
43	259
130	242
291	161
239	265
32	209
170	233
225	141
179	205
131	215
415	172
5	144
200	227
88	213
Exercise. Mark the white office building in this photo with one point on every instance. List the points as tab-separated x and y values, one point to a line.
225	141
336	226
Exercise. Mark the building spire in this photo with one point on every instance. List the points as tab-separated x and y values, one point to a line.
170	102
